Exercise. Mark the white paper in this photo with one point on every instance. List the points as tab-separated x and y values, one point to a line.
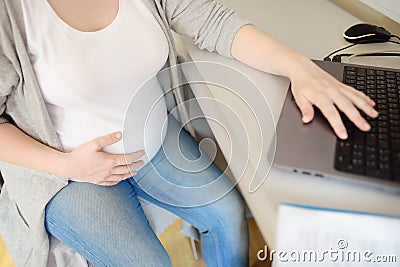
309	236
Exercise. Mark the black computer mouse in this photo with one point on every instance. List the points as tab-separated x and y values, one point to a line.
366	33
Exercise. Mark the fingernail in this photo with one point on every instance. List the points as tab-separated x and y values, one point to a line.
117	135
306	119
343	135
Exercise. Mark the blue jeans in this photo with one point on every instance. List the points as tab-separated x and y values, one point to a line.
107	226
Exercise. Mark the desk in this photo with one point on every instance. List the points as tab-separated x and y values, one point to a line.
314	28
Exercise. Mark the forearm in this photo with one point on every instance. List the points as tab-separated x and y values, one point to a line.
311	86
261	51
20	149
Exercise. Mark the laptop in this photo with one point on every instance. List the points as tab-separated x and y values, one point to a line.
371	159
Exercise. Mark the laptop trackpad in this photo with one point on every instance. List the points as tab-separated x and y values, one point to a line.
304	146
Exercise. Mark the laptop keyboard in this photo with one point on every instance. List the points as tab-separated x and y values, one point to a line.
375	153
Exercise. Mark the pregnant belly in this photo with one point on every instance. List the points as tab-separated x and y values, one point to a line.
143	122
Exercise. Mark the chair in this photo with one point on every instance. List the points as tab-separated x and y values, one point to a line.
160	219
5	259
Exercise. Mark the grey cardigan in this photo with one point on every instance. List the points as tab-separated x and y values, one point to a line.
26	192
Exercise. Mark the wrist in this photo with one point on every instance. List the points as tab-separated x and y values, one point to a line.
299	66
60	164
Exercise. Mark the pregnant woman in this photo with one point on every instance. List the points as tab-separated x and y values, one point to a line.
73	171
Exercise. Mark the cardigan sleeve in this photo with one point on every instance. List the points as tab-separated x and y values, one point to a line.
212	25
8	79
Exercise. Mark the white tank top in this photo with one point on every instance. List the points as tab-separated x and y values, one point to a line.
89	78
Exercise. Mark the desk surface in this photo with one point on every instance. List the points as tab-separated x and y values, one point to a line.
314	28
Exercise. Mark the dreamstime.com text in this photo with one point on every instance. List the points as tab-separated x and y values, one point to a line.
339	254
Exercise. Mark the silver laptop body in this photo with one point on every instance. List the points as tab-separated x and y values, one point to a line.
309	149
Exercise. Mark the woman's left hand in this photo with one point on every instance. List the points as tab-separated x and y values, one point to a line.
313	86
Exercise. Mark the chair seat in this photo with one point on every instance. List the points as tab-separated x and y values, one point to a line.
5	259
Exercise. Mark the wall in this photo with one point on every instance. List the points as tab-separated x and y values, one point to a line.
369	15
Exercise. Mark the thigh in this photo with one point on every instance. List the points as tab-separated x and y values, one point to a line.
182	179
181	174
106	225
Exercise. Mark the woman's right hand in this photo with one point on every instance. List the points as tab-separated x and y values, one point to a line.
89	163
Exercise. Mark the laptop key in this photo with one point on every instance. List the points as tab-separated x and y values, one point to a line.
375	153
372	171
380	72
383	136
361	72
396	144
345	148
395	122
384	169
359	137
372	139
396	176
355	169
383	131
371	158
344	160
395	135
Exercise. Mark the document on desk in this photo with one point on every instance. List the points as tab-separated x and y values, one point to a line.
312	236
